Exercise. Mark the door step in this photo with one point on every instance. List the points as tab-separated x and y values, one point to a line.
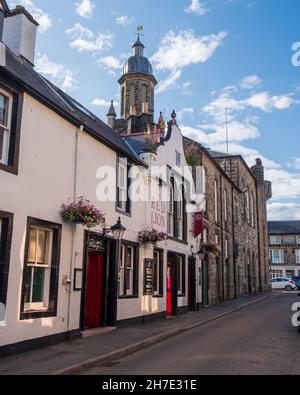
97	331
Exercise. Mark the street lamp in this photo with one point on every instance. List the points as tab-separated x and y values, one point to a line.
118	231
201	254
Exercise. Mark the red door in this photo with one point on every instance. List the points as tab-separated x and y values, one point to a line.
169	289
93	295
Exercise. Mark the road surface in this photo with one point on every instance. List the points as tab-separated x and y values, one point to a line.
257	340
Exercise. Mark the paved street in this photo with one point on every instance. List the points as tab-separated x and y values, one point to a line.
255	340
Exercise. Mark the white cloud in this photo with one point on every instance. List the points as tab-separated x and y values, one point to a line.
265	102
196	7
283	211
185	111
294	163
124	20
102	103
41	16
110	63
250	82
184	49
85	40
59	74
85	8
169	82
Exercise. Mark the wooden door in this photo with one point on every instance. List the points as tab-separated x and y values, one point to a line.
93	293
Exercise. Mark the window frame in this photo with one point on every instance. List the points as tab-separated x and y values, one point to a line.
181	275
54	269
297	256
44	305
7	128
225	197
216	201
7	220
278	240
171	209
123	207
159	290
122	275
17	95
280	255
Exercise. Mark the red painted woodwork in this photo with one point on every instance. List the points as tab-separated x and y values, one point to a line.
93	295
169	290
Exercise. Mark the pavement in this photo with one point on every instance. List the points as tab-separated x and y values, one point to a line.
77	356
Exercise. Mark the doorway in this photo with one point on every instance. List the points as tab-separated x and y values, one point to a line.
205	282
172	285
192	285
93	306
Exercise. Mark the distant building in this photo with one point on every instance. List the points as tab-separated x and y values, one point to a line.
284	239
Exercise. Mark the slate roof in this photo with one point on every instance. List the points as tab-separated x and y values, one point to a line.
216	154
284	227
43	90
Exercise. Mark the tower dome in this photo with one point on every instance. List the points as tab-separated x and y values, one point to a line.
138	63
137	84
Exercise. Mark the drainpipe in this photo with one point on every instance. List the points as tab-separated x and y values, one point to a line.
73	254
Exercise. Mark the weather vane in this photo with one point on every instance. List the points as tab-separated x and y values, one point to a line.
140	29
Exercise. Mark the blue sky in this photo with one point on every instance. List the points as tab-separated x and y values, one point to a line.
208	55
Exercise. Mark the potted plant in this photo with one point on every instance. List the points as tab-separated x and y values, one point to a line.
210	248
81	211
151	236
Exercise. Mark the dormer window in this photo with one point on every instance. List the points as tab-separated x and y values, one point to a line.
5	126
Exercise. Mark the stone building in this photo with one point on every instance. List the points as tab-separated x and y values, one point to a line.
235	219
284	239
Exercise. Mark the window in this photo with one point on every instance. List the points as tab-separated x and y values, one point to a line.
41	269
216	201
11	102
252	210
275	239
297	253
274	274
6	222
181	275
5	126
225	206
128	272
236	211
38	265
277	256
247	207
226	249
158	270
297	239
179	215
171	210
123	183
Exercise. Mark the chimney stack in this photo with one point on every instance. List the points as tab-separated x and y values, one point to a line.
19	33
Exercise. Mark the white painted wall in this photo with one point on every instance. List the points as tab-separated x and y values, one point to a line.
45	181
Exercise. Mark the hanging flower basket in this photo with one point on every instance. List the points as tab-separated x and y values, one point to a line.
210	248
82	212
151	236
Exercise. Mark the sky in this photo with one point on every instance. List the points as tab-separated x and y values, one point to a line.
208	56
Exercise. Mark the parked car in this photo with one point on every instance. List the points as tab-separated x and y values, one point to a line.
297	281
284	283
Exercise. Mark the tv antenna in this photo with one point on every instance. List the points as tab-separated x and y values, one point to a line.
227	132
